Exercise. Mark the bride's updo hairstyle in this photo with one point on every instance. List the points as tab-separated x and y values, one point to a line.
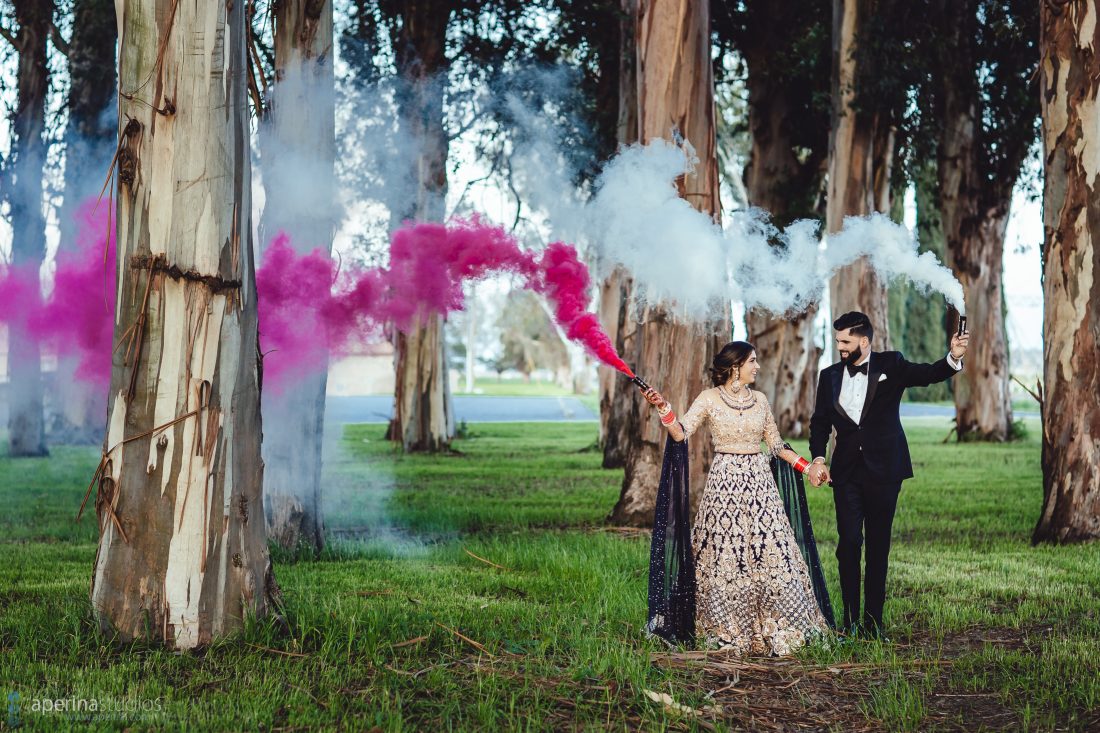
729	360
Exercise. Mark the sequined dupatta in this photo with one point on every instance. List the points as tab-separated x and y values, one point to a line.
792	489
671	562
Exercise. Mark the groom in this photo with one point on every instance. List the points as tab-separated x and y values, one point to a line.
859	397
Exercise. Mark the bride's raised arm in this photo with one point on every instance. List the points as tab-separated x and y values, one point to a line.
683	427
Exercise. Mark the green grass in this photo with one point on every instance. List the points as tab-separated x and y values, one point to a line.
988	632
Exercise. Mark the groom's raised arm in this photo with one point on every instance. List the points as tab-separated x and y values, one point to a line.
821	422
922	375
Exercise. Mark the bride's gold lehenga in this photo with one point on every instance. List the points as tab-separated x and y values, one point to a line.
753	592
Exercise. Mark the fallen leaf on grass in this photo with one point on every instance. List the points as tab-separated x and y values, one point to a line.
665	699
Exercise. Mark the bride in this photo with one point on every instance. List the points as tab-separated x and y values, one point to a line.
753	589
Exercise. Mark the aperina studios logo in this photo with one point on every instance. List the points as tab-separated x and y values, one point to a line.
81	708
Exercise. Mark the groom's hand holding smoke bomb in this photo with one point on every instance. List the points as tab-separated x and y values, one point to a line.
960	340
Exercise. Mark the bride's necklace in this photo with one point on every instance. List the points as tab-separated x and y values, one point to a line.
741	404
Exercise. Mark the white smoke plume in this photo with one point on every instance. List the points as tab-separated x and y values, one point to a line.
680	258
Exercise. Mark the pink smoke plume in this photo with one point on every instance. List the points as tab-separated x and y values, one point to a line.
307	311
564	280
75	321
307	308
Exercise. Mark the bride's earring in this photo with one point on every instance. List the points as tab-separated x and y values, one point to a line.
735	386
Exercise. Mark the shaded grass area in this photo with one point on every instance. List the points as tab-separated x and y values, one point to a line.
407	622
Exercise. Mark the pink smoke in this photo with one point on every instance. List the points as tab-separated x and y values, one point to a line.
564	280
307	312
307	309
75	321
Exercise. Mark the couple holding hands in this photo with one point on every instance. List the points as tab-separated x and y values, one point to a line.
750	581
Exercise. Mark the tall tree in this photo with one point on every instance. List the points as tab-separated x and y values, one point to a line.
90	137
422	41
24	192
412	36
182	555
861	150
617	412
1069	80
785	49
983	55
298	148
92	129
675	86
423	414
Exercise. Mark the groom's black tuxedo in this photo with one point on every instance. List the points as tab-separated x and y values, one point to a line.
870	460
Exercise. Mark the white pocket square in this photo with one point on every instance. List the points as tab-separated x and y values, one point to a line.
882	377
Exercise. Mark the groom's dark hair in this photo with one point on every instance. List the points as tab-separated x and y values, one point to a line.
858	322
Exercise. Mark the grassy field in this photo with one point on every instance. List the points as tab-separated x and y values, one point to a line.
398	626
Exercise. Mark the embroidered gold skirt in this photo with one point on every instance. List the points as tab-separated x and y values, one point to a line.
753	591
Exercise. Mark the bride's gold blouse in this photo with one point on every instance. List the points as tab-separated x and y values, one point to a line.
733	430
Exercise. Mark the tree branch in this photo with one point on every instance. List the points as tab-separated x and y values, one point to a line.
9	37
59	41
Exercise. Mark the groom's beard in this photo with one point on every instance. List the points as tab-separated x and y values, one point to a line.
853	356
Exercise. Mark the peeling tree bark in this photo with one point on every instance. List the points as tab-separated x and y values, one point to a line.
861	151
1069	79
26	419
182	555
299	154
423	415
675	91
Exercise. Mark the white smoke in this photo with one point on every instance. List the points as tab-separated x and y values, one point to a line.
678	257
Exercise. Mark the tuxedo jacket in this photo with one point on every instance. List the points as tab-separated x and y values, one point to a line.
875	449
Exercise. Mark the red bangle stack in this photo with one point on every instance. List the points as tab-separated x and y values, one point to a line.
669	418
802	465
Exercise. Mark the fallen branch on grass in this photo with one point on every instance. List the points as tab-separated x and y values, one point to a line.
468	640
410	642
487	562
277	651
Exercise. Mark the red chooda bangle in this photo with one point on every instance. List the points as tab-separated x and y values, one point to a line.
802	465
669	418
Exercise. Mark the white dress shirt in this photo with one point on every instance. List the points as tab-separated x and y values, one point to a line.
853	390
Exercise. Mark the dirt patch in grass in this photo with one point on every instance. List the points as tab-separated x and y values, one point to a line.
914	692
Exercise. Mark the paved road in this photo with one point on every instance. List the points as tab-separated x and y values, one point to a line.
469	408
376	409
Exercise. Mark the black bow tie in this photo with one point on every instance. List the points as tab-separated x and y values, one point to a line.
854	370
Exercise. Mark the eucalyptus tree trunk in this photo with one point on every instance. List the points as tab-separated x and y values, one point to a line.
423	413
861	150
26	427
675	92
975	213
1069	69
182	555
76	414
614	308
786	182
298	146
